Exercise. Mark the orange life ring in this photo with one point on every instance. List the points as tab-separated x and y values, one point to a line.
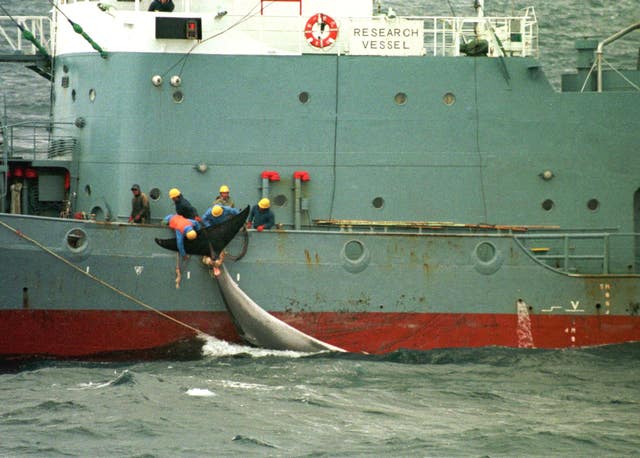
321	31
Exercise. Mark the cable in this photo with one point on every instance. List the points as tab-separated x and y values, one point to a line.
102	282
184	58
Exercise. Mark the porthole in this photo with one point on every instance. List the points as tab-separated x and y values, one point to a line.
353	250
76	240
154	194
303	97
593	204
485	251
73	95
355	256
547	205
378	202
449	99
178	96
487	259
280	200
65	68
92	94
400	98
87	189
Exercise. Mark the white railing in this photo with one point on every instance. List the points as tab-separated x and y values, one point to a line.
506	36
443	36
11	36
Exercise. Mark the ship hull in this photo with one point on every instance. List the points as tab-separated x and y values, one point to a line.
120	298
82	334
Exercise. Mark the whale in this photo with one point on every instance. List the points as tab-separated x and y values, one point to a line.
258	327
216	237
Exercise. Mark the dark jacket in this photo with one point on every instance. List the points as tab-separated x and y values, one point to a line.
140	211
184	208
260	217
157	5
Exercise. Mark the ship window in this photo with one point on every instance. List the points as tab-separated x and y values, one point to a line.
65	68
400	98
280	200
449	99
485	251
178	96
303	97
154	194
378	202
353	250
92	94
593	204
87	189
76	239
547	204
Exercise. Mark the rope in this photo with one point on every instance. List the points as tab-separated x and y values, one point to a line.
26	33
77	28
102	282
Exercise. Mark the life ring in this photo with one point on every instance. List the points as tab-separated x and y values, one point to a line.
321	31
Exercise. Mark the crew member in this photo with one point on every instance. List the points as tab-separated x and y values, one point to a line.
165	6
183	227
261	216
217	214
183	207
140	211
223	197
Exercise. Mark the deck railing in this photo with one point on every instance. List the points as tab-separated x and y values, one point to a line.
33	140
585	253
13	40
443	36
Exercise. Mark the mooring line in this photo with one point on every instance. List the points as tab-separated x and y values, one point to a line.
102	282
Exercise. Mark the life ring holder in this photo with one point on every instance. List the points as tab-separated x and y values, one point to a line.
316	32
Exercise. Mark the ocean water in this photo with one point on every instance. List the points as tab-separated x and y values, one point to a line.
241	401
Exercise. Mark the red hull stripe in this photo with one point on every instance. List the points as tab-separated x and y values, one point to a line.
80	334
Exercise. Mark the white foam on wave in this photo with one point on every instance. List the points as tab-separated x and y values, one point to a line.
248	386
200	392
218	348
95	386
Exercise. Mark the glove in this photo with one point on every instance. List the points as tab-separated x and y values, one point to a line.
130	219
137	218
260	228
248	224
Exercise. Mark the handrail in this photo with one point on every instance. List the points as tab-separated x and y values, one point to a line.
589	253
606	41
40	26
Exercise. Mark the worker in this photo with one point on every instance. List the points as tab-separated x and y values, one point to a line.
184	227
140	211
165	6
223	197
217	214
261	216
183	207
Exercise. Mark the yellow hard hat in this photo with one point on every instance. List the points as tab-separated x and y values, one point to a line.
216	210
191	235
264	203
224	188
174	192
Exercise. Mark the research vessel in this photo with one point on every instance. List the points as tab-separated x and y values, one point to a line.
431	188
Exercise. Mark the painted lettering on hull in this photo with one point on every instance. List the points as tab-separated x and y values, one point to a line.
397	37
